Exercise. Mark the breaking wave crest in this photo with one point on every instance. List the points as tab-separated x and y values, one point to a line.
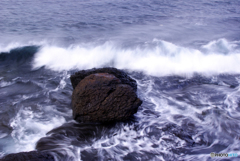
156	58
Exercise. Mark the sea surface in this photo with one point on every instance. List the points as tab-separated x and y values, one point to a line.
184	55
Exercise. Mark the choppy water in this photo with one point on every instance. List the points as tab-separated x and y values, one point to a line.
184	56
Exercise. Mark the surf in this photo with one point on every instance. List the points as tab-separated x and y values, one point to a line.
156	58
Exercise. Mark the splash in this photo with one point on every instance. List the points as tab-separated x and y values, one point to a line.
159	58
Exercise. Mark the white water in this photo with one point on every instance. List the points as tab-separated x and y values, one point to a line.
165	58
28	127
7	47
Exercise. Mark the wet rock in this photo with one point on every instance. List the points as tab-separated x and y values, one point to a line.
104	97
125	79
29	156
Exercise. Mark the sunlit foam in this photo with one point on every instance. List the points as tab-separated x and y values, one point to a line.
163	59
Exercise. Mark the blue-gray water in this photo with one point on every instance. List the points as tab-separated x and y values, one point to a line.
184	55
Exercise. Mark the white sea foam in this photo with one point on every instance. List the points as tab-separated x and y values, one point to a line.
28	128
13	45
164	58
10	46
4	84
220	46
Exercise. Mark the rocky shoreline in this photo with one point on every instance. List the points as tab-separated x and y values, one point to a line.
103	95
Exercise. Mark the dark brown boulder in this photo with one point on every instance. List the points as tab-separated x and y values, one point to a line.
102	97
125	79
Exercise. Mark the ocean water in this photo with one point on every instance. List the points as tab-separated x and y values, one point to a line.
184	55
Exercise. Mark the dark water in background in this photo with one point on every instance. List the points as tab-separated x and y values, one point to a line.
184	55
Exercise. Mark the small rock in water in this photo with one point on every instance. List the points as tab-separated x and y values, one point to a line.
125	79
103	95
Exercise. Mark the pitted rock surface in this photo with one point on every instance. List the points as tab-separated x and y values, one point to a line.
102	97
125	79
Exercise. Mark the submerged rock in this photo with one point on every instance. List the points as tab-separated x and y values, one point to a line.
29	156
103	95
